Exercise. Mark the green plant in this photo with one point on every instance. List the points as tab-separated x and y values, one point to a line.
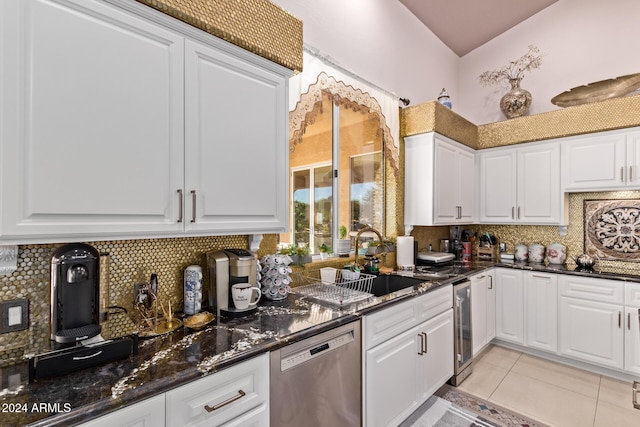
296	249
343	232
324	248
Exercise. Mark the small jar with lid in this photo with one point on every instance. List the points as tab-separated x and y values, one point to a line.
521	253
556	253
536	252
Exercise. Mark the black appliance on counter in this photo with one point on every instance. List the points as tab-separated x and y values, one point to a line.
78	338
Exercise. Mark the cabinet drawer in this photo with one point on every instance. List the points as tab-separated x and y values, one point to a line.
600	290
149	412
434	303
632	294
390	322
220	397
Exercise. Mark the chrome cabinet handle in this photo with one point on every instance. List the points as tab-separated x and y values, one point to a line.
490	282
629	321
421	352
426	342
240	395
621	174
518	212
193	205
513	214
636	388
180	206
481	277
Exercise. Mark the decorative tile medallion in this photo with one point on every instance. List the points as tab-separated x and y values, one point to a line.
612	229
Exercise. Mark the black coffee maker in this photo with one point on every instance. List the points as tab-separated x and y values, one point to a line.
75	293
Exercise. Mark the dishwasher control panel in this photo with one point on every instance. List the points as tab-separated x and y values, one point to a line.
315	351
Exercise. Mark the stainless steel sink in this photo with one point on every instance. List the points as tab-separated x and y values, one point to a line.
385	284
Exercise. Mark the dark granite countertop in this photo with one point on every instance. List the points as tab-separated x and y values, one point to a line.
173	359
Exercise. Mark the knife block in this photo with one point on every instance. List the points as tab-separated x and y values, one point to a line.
487	252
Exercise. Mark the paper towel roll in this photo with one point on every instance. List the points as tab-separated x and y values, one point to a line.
404	257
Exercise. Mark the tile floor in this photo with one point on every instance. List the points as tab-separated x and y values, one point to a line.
554	394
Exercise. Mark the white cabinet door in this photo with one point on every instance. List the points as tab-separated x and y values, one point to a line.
92	121
236	146
436	363
541	310
632	340
497	186
592	331
538	182
491	306
479	315
439	176
446	183
594	162
633	160
510	305
148	413
391	392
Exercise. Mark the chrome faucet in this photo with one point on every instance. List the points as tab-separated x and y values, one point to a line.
363	230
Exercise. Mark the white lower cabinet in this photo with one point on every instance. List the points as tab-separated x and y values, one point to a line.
510	305
483	310
404	370
541	310
591	313
632	328
228	396
148	413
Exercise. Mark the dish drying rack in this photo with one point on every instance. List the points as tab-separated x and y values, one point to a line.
345	288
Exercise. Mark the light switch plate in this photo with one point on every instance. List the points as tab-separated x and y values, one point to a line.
14	315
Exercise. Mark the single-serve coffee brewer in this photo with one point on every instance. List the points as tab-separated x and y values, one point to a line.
75	293
226	268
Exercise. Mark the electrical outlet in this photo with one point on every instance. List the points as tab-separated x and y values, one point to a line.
14	315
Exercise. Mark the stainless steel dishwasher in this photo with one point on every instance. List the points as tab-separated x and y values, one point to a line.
318	381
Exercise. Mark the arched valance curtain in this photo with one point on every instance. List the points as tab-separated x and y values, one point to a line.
305	91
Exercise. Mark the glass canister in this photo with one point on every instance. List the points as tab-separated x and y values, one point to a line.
192	289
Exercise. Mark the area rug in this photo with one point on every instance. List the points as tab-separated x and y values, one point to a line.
438	412
489	413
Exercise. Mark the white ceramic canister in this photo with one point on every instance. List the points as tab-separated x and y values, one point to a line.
521	252
536	252
192	289
556	253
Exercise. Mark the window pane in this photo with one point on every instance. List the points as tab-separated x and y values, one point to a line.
361	173
323	197
301	206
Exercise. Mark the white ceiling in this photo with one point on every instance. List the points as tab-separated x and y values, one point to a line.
464	25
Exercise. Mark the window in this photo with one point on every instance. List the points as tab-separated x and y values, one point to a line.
345	160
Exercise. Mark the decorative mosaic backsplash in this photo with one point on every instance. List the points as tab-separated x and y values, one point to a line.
132	261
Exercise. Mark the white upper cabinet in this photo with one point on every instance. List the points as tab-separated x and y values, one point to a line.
99	108
92	121
439	174
235	158
521	185
604	161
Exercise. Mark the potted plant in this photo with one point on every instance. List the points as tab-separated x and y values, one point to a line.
343	244
324	251
299	253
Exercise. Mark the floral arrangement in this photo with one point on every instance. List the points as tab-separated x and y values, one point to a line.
515	70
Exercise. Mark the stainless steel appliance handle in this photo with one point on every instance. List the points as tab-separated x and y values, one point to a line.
180	206
240	395
636	389
193	205
460	330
